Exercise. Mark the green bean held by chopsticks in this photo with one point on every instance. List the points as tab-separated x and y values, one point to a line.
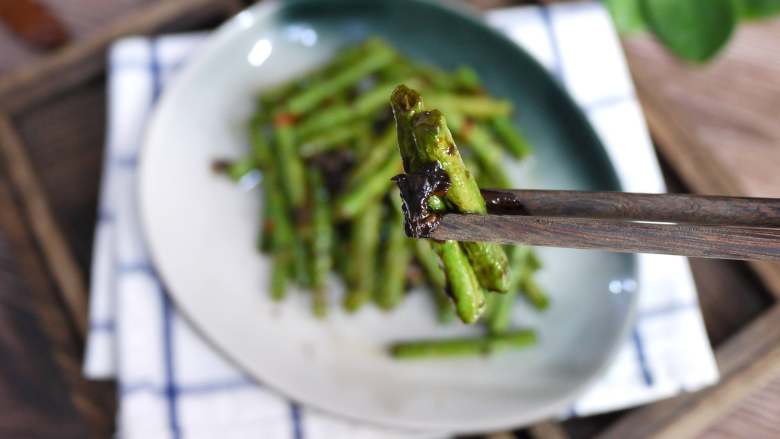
435	142
429	262
462	283
464	347
463	286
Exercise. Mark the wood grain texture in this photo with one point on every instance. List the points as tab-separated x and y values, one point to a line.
58	255
77	62
725	396
94	402
548	430
758	414
67	157
692	240
760	338
72	148
685	208
717	126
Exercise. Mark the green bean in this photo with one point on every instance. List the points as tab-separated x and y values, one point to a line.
479	106
267	224
396	257
374	157
499	313
261	150
301	270
406	103
348	75
468	79
238	169
436	204
534	294
367	190
429	262
363	252
281	238
340	136
464	347
514	141
290	164
280	272
345	114
320	121
438	79
462	282
435	142
322	238
485	148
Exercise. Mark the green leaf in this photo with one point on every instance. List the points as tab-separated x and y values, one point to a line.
693	29
627	15
752	9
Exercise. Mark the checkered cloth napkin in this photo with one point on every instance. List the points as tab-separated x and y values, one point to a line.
173	384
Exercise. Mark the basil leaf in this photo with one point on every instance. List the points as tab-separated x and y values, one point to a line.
627	15
693	29
758	8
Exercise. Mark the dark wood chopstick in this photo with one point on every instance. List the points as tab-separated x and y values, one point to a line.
676	208
686	225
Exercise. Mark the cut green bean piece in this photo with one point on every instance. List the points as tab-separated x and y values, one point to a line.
480	106
323	121
322	239
281	236
489	152
338	137
534	294
429	262
289	164
240	168
462	283
396	258
436	204
363	252
261	149
464	347
280	272
407	103
468	78
514	141
376	155
434	140
368	190
499	314
310	97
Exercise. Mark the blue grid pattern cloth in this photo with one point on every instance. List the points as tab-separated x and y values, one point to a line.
173	384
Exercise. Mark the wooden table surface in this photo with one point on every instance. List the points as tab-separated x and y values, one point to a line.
716	131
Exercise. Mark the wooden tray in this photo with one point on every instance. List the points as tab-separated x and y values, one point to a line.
52	116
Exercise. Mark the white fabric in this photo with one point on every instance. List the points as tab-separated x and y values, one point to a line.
173	384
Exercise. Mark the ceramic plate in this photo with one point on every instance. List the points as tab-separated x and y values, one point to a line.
202	229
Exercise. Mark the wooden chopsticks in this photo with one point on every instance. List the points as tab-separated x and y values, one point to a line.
687	225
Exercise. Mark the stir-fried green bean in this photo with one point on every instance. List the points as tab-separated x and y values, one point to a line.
396	256
361	279
323	147
434	140
464	347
